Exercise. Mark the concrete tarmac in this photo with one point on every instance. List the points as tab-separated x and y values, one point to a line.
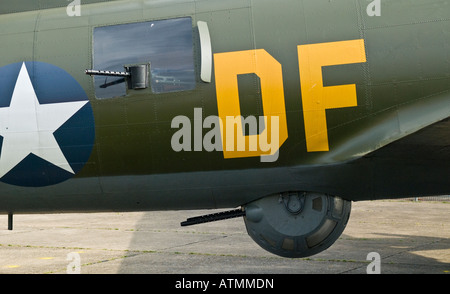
408	237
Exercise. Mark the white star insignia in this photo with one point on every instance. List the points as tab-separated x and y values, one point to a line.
28	126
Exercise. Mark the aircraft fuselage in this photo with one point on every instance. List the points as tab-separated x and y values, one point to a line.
330	99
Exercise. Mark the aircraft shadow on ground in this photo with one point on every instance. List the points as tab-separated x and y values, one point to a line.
227	249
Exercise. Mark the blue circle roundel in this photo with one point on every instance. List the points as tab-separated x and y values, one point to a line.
46	125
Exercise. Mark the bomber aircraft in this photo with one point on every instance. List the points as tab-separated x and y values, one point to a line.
280	112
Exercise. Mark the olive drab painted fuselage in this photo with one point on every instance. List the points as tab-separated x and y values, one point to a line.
282	96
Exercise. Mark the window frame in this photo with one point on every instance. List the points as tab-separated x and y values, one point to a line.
190	59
